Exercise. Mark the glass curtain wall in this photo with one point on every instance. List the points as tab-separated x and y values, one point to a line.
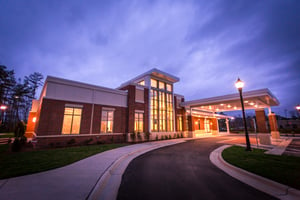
161	106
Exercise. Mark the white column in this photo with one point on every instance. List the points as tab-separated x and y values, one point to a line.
227	125
269	109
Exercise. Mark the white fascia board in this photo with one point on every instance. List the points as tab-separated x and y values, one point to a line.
152	72
83	85
232	97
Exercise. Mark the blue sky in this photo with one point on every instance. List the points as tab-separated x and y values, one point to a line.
207	44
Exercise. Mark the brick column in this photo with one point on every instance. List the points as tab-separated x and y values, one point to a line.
264	136
214	126
273	126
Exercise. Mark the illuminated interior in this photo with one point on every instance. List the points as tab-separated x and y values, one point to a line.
107	121
72	119
161	106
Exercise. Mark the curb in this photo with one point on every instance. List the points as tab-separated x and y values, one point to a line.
268	186
107	186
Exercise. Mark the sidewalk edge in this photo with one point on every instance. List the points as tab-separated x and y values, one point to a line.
268	186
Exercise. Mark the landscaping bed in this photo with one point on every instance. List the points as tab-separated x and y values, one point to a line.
283	169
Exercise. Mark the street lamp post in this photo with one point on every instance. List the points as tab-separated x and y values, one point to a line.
298	107
2	108
239	85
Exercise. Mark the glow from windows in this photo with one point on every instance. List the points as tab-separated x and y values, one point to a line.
107	121
72	120
138	122
161	107
141	83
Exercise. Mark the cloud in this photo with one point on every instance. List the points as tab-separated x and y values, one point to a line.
207	44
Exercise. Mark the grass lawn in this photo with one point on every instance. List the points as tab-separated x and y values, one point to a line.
7	135
22	163
282	169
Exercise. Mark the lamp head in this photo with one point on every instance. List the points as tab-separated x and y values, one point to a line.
3	107
239	84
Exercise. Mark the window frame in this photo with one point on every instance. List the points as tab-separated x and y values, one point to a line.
107	120
73	115
138	120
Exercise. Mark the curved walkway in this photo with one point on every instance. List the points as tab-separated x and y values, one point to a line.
81	180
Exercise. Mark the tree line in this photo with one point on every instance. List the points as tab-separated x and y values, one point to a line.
16	97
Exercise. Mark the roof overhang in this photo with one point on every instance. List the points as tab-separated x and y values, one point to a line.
254	99
155	73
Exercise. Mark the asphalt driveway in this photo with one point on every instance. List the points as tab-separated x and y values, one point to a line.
182	171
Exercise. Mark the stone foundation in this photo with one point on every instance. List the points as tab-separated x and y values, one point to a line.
264	138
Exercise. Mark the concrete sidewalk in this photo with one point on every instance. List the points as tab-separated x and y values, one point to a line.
90	178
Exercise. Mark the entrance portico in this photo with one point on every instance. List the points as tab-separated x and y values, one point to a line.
256	100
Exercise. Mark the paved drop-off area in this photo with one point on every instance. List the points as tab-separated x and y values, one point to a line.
183	171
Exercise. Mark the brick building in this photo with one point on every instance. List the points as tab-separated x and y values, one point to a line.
145	107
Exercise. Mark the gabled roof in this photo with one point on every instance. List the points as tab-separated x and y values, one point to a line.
153	73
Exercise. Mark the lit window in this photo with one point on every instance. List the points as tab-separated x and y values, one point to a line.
161	85
139	122
179	123
169	88
107	121
154	83
72	119
161	105
142	83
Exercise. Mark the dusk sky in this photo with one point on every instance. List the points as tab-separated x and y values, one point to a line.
207	44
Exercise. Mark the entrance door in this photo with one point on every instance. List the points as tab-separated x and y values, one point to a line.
207	125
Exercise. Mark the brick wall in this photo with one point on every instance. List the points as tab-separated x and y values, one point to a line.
133	106
75	140
52	114
261	121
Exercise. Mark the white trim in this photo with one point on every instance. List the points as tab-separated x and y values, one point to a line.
83	85
73	105
155	73
233	97
108	109
139	111
74	100
138	101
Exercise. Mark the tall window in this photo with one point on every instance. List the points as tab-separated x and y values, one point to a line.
139	122
72	119
107	121
161	106
179	123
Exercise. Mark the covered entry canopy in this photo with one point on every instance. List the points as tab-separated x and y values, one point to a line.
255	99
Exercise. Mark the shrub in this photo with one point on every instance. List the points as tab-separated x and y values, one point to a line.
178	136
139	135
156	137
132	136
71	141
23	140
99	142
166	137
16	145
181	135
162	137
87	141
170	137
147	135
19	129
